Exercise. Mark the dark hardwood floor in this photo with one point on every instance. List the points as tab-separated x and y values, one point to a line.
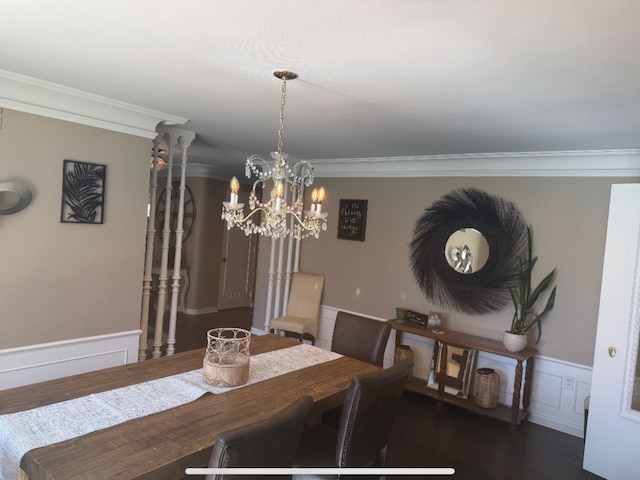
429	434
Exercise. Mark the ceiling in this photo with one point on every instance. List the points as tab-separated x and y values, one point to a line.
378	78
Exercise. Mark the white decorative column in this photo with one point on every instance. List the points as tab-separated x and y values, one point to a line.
148	261
164	259
296	256
279	276
270	280
184	139
174	137
288	270
279	306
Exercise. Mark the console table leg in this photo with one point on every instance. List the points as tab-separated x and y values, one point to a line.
398	338
442	372
526	395
515	403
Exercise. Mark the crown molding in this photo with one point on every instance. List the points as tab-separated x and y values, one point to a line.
203	170
31	95
582	163
197	170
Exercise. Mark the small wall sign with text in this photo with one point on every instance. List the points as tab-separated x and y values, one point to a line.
352	219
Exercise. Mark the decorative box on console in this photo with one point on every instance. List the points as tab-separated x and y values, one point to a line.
417	319
433	321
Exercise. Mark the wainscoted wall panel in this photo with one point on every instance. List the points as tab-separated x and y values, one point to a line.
37	363
557	398
558	389
548	391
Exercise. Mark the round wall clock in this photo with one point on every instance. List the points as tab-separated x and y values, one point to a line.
189	215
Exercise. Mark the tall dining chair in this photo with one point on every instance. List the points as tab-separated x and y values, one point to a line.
360	337
362	437
303	307
272	442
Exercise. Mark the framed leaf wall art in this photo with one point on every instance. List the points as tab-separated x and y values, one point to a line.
82	192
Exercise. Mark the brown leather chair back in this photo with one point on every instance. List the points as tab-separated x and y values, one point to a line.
367	416
360	337
269	443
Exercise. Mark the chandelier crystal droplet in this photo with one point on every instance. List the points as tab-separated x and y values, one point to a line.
283	215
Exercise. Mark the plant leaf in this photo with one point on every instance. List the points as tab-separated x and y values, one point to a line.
524	300
542	286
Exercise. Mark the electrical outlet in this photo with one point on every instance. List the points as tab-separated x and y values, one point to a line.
568	383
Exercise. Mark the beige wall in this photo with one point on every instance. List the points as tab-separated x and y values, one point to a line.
61	281
568	217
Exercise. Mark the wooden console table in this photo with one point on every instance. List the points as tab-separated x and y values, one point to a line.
510	413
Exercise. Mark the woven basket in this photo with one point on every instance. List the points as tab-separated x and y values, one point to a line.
487	388
403	352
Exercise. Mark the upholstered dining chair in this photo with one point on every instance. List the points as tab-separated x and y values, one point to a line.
360	337
268	443
362	436
303	307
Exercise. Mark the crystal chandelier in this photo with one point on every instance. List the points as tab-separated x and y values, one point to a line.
283	215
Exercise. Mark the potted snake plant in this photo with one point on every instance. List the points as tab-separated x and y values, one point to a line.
524	299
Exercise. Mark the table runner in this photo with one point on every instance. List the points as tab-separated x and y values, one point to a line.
29	429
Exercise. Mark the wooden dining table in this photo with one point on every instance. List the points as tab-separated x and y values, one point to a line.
162	445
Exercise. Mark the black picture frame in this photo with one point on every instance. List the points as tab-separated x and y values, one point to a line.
352	219
83	189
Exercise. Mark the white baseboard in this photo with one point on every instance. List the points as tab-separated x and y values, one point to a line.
199	311
257	331
46	361
192	311
557	393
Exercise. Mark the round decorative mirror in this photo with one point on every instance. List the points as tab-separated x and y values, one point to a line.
466	250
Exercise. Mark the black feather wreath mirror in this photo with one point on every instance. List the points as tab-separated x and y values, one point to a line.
466	248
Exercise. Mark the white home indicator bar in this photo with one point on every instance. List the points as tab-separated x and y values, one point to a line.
321	471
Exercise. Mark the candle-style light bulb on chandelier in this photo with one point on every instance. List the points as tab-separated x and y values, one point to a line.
283	215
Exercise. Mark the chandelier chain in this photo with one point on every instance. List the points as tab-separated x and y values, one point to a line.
282	103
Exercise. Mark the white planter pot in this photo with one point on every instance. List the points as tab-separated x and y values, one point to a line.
513	342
